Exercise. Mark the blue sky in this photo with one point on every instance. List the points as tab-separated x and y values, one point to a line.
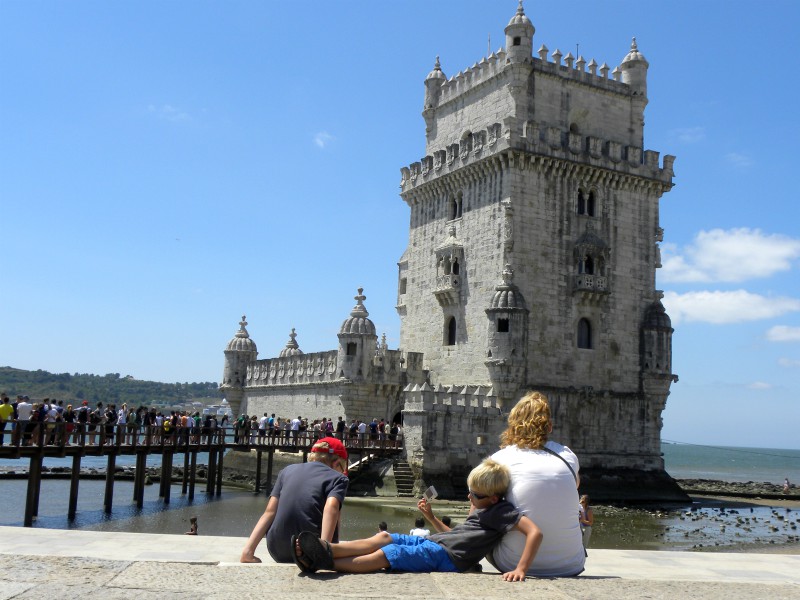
166	167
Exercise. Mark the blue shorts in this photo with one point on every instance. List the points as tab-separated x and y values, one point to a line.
415	554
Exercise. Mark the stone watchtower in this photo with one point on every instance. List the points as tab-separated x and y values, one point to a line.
239	353
534	176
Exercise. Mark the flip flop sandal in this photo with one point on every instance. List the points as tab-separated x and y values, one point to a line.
316	551
301	561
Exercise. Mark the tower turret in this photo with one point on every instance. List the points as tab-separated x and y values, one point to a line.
519	37
357	342
433	90
634	73
292	347
239	352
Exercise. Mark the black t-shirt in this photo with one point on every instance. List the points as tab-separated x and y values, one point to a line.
302	491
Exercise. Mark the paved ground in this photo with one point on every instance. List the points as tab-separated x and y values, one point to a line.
46	563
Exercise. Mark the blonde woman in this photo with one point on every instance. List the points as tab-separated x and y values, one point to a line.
544	486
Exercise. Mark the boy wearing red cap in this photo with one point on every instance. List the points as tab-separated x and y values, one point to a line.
306	497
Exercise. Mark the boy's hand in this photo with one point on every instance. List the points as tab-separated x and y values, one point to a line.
425	508
515	575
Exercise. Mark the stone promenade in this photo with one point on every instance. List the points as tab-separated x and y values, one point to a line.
47	563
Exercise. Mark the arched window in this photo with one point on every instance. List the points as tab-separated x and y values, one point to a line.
453	209
584	334
590	205
586	265
459	205
581	203
451	332
455	268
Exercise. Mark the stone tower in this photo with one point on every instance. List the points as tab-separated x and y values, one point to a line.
534	175
239	353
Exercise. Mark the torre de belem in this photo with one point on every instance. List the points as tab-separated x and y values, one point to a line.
531	264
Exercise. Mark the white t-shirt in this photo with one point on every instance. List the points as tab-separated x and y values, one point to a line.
24	410
544	490
420	532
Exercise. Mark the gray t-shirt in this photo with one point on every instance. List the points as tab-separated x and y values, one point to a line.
468	543
302	490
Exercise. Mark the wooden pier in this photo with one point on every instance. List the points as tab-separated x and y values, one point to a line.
113	441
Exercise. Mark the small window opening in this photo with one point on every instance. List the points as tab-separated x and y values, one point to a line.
584	334
453	209
352	348
502	325
456	268
581	203
403	283
586	265
517	41
451	331
590	205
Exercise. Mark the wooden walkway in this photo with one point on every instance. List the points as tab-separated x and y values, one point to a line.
111	441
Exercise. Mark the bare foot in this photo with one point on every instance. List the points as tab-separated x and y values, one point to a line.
249	558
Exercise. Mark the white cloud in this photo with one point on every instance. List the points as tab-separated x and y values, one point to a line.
322	139
726	307
689	135
783	333
738	159
790	363
732	255
760	385
169	113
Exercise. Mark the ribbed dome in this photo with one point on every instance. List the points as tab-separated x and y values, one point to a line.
437	72
241	342
657	317
520	18
358	323
634	55
506	295
292	348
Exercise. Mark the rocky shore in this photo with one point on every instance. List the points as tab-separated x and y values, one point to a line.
749	489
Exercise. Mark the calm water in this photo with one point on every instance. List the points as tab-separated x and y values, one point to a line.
236	511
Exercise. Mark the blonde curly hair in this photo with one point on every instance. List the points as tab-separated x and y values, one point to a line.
529	423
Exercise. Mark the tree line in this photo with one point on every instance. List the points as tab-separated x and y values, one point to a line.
109	388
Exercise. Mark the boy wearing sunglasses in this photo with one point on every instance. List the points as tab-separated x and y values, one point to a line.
449	550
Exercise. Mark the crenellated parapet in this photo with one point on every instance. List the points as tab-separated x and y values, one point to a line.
316	367
544	142
467	399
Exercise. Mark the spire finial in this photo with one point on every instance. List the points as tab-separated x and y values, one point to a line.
634	47
520	10
437	66
359	310
242	333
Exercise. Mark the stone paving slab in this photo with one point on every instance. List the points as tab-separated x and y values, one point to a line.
47	564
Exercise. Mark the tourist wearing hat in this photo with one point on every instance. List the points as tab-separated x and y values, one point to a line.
306	497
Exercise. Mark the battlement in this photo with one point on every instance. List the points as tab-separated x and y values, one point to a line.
540	140
572	69
315	367
469	399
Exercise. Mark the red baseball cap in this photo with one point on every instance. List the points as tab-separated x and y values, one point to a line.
334	447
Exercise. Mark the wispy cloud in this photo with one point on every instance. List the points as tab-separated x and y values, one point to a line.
790	363
760	385
168	112
732	255
689	135
737	159
720	307
322	139
783	333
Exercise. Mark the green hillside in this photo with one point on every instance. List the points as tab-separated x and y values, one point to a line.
110	388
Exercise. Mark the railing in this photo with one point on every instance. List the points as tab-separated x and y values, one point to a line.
127	436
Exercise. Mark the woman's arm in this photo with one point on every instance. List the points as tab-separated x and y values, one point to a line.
533	539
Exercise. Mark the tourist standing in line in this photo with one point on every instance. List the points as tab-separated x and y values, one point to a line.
262	429
544	486
296	429
306	497
24	413
6	416
340	427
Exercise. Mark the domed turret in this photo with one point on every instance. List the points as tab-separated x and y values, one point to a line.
357	342
656	346
506	295
519	36
292	348
433	85
241	341
239	353
359	322
634	70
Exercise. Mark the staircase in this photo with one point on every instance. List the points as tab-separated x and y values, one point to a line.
403	478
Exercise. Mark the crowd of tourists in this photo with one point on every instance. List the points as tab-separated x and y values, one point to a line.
50	422
273	430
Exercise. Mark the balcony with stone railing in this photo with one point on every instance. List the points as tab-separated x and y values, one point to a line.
597	284
448	289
